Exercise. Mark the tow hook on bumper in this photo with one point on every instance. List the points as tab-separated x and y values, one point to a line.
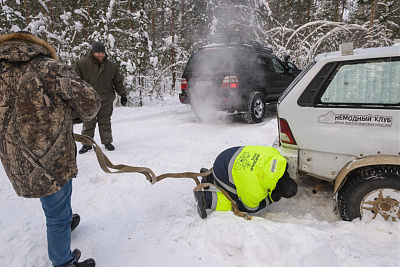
183	98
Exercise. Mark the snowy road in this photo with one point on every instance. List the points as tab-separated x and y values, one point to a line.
126	221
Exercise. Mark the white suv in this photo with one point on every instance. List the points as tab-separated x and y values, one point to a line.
339	121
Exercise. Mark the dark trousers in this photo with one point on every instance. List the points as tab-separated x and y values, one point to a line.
103	119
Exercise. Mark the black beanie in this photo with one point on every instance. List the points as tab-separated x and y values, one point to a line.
98	47
286	187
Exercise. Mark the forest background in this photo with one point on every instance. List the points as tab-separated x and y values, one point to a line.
152	40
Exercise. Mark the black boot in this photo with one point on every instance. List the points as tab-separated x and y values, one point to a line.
77	254
75	221
85	263
85	149
201	203
110	147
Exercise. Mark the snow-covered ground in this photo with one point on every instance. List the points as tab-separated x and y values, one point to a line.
126	221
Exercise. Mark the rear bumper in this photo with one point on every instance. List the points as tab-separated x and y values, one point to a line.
184	98
292	158
232	102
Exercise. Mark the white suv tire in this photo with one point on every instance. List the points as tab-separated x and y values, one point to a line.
371	192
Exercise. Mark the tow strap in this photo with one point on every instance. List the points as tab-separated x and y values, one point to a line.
106	165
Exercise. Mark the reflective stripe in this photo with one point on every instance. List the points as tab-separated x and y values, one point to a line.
231	162
248	208
225	186
214	200
273	165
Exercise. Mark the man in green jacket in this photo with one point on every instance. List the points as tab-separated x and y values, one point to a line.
103	75
253	176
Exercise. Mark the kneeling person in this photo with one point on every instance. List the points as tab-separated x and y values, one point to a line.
253	176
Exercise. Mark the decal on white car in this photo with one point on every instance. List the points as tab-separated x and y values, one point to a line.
366	120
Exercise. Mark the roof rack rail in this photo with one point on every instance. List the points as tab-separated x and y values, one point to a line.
236	39
258	46
226	38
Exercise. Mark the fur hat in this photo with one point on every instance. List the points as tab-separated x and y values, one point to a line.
98	47
30	38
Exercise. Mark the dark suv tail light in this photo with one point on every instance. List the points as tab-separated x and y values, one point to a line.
230	82
184	84
285	134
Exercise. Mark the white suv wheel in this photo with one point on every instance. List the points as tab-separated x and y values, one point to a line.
383	202
372	192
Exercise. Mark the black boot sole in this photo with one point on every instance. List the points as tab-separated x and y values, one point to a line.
201	203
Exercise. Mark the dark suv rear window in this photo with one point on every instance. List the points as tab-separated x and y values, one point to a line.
209	60
244	60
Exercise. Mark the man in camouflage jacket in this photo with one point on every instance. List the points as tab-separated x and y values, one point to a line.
39	96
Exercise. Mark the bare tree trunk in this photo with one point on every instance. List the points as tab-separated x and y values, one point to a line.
131	11
343	8
266	26
299	13
336	10
27	15
277	8
162	19
173	43
86	20
5	22
371	19
386	22
51	13
153	32
309	11
182	21
140	91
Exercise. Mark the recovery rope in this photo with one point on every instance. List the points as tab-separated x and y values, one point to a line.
106	165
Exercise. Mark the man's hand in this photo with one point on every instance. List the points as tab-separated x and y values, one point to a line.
124	100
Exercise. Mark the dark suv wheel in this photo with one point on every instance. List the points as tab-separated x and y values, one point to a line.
372	192
255	108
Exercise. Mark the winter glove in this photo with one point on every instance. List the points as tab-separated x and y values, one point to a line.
124	100
275	196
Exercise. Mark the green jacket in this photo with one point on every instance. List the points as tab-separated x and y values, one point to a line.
255	172
103	76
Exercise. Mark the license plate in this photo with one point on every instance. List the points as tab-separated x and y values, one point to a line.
203	83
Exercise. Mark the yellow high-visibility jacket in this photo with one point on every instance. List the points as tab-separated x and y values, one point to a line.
255	172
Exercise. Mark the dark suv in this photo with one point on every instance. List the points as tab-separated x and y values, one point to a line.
235	76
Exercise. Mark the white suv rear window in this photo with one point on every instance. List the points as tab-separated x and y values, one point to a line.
365	83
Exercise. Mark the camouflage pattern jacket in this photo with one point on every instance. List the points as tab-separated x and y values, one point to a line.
39	96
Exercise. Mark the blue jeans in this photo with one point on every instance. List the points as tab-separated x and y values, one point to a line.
58	212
